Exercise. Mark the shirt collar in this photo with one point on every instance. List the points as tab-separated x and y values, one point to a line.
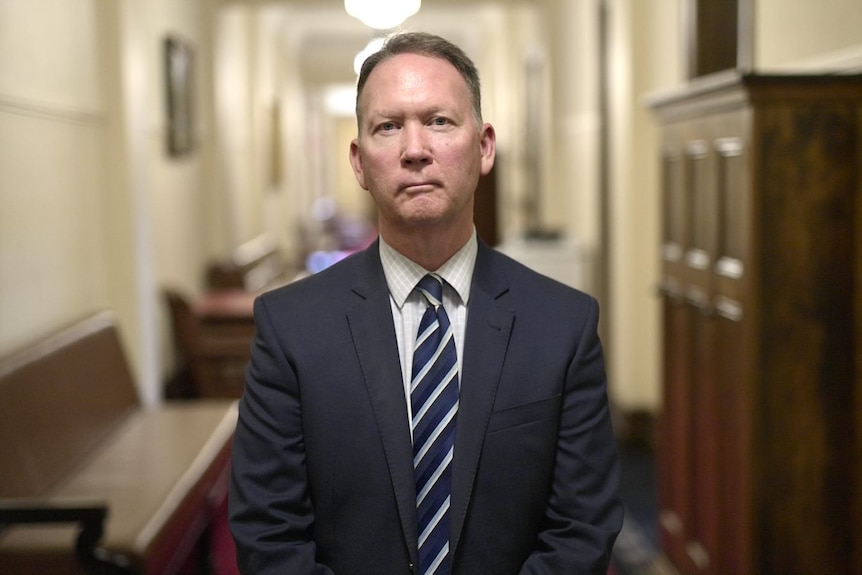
402	274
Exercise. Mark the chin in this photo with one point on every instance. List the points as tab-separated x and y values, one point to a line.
422	222
420	213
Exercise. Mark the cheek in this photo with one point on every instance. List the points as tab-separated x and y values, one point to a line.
379	176
460	162
461	153
380	164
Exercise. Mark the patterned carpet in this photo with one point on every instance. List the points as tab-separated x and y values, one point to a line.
637	548
635	554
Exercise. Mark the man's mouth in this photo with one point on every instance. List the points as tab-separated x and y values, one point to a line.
419	187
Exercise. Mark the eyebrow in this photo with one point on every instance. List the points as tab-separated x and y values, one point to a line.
435	110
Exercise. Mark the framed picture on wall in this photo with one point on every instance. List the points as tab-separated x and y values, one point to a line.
179	80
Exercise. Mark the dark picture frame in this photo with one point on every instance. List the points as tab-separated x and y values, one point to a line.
179	80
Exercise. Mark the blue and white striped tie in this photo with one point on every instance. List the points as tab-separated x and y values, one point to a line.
434	400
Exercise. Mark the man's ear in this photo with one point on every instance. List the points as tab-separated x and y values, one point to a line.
356	163
488	146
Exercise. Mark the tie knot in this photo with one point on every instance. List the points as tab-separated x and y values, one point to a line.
431	287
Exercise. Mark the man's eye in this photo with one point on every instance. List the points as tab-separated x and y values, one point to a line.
440	121
387	126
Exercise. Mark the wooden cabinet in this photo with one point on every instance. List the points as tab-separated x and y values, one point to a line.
761	258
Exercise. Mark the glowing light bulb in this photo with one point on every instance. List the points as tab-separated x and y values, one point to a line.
382	14
370	48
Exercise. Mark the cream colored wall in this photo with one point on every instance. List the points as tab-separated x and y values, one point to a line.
803	34
94	214
53	249
178	185
171	196
571	202
234	73
351	198
302	130
125	171
645	56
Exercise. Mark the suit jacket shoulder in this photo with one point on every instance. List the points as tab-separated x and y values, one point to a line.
499	274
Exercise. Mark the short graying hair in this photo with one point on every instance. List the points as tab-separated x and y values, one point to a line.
426	45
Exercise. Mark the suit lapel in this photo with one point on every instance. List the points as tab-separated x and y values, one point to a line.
377	350
489	324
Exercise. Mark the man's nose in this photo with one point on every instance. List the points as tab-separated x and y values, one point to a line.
415	144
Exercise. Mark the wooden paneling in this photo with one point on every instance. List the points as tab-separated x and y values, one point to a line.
807	221
759	432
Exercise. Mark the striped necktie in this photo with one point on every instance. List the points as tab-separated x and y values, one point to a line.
434	401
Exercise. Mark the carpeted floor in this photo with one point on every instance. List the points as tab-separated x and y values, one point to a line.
637	548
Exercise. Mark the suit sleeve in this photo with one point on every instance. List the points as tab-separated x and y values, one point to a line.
584	513
270	511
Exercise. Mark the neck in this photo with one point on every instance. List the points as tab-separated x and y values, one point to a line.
430	248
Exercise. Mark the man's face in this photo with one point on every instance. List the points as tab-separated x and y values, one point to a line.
419	151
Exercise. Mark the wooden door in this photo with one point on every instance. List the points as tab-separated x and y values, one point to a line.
735	349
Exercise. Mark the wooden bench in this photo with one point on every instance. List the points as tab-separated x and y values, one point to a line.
253	266
91	481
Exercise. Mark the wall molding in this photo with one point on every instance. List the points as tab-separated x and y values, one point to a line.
51	111
845	61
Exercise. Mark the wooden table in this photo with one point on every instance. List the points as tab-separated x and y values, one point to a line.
224	321
226	312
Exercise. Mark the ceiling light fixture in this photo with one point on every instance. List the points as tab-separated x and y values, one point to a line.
382	14
373	46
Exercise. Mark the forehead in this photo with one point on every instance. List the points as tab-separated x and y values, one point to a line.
413	76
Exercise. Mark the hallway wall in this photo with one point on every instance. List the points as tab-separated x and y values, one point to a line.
53	125
95	214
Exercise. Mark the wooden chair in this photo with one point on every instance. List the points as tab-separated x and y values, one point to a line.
214	357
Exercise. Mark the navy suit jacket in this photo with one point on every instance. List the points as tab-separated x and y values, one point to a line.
322	474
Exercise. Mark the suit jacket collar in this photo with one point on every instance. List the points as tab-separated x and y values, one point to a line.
489	324
377	350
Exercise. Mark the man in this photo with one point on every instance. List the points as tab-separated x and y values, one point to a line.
484	446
